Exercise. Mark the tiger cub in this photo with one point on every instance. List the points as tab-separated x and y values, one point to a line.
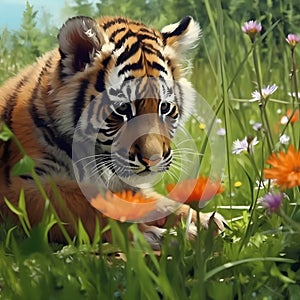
104	106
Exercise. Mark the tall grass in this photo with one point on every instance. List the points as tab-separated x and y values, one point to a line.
257	258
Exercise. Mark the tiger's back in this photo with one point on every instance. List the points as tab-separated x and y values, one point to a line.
105	75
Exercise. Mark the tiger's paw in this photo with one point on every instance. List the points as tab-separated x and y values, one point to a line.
207	220
153	235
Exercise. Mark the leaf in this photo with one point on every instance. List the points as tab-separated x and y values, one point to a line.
24	166
276	273
229	265
9	236
83	236
294	291
13	208
5	132
22	207
296	216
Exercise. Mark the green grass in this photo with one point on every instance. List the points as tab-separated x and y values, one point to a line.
257	258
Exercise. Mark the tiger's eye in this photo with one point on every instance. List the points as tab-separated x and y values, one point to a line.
124	108
165	107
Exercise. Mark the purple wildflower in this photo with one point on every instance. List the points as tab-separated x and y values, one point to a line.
271	201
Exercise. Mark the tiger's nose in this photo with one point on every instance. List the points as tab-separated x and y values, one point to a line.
152	161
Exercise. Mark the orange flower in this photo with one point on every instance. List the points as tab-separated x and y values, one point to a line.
289	116
194	190
285	168
123	206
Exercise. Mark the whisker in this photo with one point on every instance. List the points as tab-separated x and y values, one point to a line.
179	163
182	141
172	175
180	166
179	169
97	169
93	157
186	151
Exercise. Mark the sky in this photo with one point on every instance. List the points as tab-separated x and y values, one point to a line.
11	11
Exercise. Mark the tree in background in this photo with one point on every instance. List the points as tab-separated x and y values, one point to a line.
20	48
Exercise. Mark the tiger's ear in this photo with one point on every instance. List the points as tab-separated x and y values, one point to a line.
182	35
78	40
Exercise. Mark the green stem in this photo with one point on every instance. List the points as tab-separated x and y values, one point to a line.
295	86
294	75
289	221
263	102
266	126
257	70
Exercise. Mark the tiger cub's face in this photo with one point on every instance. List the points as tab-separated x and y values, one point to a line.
132	91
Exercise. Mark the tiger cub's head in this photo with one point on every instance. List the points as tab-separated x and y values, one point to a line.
126	87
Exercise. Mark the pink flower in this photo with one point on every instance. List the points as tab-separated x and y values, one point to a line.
292	39
252	28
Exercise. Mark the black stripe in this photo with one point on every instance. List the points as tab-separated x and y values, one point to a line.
147	48
132	67
40	171
112	132
64	142
113	35
147	30
128	53
158	67
106	143
127	35
138	93
79	102
61	66
52	159
11	102
7	175
183	25
100	83
33	110
142	37
26	177
113	22
36	87
51	134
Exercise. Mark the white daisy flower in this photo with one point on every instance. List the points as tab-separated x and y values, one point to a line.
244	145
265	93
257	126
221	132
284	139
284	120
